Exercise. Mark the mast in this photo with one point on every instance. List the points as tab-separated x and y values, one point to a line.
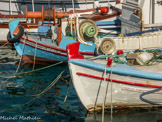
33	8
10	8
96	3
33	5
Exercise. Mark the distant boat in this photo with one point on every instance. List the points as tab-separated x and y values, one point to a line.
127	86
31	26
49	44
15	7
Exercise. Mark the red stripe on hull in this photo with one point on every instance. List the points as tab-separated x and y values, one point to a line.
118	81
51	47
43	50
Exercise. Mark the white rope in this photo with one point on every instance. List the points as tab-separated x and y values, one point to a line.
79	38
77	27
111	94
104	93
74	18
20	57
35	55
104	96
4	44
71	27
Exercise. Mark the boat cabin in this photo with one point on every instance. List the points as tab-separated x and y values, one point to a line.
139	15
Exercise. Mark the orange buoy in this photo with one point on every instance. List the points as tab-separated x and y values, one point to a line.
104	10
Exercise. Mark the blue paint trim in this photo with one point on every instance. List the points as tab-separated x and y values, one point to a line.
28	50
121	69
83	48
108	23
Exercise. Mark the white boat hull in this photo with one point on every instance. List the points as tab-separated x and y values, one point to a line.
90	87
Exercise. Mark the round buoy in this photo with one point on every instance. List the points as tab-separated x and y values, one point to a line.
104	10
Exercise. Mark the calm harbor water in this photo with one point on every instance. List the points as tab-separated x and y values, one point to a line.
25	98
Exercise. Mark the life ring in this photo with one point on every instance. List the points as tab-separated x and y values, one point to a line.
17	37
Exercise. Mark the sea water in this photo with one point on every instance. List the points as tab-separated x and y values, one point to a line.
35	96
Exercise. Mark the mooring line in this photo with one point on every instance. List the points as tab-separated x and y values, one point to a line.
38	95
52	84
67	91
17	74
4	44
20	58
35	55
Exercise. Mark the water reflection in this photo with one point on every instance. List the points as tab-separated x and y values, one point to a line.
128	115
20	97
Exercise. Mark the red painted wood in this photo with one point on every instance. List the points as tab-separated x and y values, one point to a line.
109	62
119	81
73	51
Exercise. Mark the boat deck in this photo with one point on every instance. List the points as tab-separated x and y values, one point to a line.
152	68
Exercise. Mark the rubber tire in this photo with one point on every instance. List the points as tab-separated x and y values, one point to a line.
17	37
107	46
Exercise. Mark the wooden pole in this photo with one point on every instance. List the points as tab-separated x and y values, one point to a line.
59	31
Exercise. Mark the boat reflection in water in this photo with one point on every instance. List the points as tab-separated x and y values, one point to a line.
50	106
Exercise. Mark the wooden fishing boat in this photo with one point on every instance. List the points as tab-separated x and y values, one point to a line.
100	84
39	47
139	29
31	25
53	47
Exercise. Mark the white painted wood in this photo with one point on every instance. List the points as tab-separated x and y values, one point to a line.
122	94
145	41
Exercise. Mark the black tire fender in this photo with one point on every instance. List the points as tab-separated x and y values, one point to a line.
17	37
